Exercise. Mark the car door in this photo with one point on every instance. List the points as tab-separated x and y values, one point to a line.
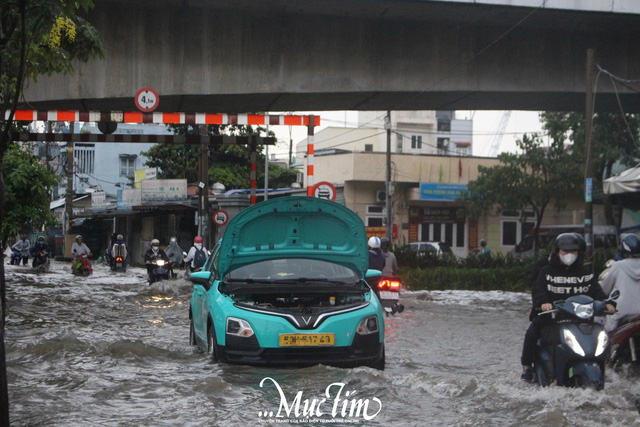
201	294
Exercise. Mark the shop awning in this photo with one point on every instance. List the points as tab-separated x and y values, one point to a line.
627	181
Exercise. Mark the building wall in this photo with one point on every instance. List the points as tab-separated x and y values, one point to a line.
363	176
104	171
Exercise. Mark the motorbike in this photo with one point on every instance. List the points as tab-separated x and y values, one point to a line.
388	291
41	261
625	343
81	265
16	258
160	271
118	263
573	350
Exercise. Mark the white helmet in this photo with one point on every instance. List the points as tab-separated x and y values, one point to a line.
374	242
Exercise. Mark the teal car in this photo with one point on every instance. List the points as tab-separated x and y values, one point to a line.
286	285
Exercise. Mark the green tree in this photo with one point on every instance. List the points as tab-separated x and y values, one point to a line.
37	37
615	138
26	180
228	164
528	180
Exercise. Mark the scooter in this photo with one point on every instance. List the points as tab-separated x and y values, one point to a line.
16	258
159	271
41	261
573	350
81	266
625	343
118	263
388	291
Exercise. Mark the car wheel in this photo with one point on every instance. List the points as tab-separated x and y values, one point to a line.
192	333
379	364
212	346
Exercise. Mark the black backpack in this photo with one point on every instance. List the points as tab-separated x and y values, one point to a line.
199	258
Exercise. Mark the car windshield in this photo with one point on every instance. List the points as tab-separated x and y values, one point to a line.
292	270
445	248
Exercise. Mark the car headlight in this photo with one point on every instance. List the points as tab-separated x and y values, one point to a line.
603	340
368	325
583	311
572	342
239	327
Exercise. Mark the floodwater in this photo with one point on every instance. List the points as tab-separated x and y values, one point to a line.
110	350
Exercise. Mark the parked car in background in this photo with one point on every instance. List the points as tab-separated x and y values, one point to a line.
439	249
288	285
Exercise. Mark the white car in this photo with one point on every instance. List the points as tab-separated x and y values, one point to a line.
440	249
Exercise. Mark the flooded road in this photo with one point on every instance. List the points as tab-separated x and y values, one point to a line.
110	350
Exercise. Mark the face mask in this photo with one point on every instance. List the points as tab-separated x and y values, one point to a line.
568	259
155	248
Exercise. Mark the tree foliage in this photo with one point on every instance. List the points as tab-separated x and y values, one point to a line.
228	164
528	180
28	187
615	138
37	37
40	37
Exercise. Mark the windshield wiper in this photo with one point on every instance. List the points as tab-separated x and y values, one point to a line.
249	280
312	280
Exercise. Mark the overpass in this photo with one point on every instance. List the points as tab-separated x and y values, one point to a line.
237	56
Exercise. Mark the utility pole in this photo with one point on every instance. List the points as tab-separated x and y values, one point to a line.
387	197
310	150
203	172
69	195
266	169
290	147
588	170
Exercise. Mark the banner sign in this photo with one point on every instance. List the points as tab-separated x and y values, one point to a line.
98	201
164	189
129	197
441	192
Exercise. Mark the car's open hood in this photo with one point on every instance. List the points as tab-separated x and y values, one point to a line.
295	227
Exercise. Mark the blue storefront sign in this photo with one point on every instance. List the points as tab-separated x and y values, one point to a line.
440	192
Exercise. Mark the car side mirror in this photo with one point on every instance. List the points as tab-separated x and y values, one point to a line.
372	277
201	278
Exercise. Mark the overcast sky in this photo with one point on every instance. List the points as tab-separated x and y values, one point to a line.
485	126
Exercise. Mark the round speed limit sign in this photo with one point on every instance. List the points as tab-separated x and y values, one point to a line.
147	99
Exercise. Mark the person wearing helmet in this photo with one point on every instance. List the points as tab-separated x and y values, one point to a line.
153	253
40	252
22	246
78	249
175	253
390	268
118	250
563	277
624	275
376	257
197	255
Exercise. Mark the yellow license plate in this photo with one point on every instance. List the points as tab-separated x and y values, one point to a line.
287	340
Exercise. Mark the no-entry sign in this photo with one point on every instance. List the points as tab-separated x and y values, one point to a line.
325	190
220	218
147	99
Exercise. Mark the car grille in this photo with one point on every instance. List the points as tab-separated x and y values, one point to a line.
234	342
